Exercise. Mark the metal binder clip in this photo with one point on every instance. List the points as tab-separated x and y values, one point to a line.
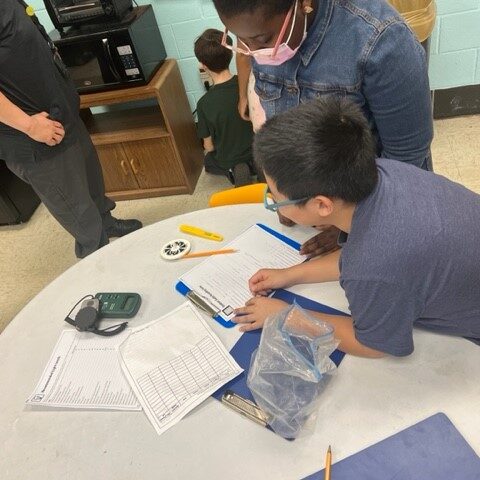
201	304
245	407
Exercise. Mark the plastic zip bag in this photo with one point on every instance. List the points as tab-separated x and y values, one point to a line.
290	369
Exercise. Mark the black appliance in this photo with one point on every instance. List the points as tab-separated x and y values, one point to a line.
64	13
18	201
104	57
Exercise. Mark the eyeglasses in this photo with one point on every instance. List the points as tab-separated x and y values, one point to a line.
270	204
252	53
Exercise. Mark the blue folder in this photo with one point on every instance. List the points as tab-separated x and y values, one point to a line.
432	449
249	341
183	289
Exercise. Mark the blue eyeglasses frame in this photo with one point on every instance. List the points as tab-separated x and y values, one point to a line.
276	205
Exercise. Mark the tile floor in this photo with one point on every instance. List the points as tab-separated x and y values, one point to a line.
33	254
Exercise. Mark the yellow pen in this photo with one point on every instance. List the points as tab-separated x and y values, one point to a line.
199	232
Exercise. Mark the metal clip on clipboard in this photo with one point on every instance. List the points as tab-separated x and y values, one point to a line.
201	304
245	407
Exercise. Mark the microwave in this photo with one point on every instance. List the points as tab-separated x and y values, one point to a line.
108	57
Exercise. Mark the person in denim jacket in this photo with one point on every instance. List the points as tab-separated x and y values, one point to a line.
357	49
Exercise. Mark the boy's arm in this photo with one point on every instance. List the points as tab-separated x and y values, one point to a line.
258	309
203	130
323	269
243	72
38	127
345	334
208	144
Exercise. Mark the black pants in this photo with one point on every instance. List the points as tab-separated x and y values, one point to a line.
71	186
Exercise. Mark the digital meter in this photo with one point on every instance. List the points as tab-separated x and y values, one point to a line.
118	305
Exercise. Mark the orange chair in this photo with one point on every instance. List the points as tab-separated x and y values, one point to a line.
246	194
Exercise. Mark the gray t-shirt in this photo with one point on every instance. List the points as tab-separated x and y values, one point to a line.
412	258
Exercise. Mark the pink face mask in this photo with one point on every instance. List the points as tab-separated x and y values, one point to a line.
280	53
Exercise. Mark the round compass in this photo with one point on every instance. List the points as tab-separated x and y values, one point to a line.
175	249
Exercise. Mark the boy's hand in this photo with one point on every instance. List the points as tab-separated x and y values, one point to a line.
324	242
256	311
243	108
268	279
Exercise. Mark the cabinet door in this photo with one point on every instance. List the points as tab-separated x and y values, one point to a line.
117	172
154	163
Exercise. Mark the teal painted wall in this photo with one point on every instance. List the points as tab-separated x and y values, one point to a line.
455	44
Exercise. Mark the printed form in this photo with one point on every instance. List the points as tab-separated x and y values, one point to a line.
222	280
84	372
175	363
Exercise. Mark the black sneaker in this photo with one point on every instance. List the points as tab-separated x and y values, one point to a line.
241	175
123	227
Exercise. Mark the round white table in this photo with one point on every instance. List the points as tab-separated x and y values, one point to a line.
367	401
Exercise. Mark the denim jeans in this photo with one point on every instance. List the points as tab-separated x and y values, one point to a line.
362	50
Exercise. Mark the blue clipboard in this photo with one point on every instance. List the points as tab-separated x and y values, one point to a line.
432	449
249	341
181	288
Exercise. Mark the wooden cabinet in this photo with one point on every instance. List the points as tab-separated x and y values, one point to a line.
146	151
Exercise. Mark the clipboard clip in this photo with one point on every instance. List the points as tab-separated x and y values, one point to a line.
245	407
201	303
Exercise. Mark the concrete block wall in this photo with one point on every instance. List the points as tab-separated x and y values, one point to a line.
455	43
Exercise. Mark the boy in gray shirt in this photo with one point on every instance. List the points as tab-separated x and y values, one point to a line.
410	239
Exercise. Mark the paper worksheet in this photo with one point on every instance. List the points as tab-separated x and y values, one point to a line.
173	364
222	280
84	372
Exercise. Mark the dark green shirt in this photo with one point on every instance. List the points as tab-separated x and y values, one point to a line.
218	118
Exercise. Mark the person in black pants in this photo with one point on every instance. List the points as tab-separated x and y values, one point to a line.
42	138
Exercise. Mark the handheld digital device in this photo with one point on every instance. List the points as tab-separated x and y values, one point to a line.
88	317
118	305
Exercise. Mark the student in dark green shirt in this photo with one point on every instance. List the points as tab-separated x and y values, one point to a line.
227	139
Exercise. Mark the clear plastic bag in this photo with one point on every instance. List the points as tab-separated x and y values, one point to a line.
290	369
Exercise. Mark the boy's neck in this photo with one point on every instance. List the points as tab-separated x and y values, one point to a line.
344	217
221	77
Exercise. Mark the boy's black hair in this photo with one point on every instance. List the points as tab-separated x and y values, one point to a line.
209	51
231	8
320	148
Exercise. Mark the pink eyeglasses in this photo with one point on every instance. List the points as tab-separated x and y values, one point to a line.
246	50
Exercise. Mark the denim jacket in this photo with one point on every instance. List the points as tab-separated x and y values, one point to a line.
363	50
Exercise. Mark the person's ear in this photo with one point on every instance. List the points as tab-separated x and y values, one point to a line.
307	6
323	205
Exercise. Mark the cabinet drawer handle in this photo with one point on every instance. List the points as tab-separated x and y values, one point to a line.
134	168
124	167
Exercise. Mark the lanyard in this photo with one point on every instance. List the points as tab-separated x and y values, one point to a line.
57	59
30	12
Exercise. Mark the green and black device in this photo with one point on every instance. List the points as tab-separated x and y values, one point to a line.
118	305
